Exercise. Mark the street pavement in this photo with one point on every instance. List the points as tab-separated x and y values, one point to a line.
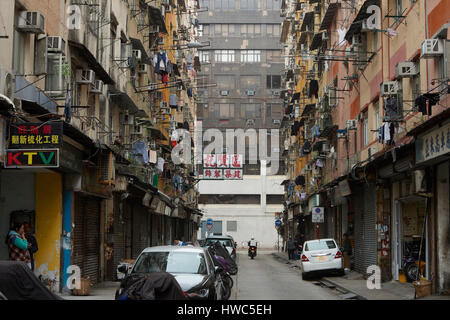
268	278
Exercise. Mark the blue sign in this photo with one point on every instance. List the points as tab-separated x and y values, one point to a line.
209	222
278	223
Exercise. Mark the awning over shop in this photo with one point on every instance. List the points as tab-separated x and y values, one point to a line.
33	97
166	199
137	45
307	20
156	133
156	19
285	31
123	100
316	41
430	123
92	62
329	15
356	25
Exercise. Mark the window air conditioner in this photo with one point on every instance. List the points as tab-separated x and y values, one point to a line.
432	48
351	124
276	121
406	69
250	122
97	87
250	93
153	29
325	35
137	130
137	54
142	68
224	92
31	21
276	93
85	76
326	147
56	44
389	88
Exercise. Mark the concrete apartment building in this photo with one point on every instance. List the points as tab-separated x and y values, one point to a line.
372	146
241	79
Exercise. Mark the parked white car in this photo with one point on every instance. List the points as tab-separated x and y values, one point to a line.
321	255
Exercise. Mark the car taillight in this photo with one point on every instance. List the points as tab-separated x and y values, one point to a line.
338	255
304	258
185	294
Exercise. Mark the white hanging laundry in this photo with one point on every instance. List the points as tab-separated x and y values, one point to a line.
387	132
341	33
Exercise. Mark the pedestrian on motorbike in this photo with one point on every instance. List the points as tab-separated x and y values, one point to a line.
252	244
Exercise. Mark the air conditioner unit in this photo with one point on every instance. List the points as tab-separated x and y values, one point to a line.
276	93
153	29
389	88
276	121
137	130
56	44
31	21
432	48
342	134
85	76
126	119
224	92
351	124
137	54
142	68
163	105
250	122
325	35
97	87
406	69
326	147
250	93
6	84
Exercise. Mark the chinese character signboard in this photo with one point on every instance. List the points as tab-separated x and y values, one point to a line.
35	135
433	144
27	158
222	167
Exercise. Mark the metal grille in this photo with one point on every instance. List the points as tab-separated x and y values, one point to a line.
365	232
140	230
119	235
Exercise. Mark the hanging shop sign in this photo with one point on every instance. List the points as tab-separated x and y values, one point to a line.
317	215
35	135
433	144
26	158
222	167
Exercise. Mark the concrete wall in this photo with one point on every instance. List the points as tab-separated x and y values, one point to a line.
48	226
443	227
14	185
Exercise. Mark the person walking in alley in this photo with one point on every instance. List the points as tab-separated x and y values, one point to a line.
347	244
18	244
32	243
291	248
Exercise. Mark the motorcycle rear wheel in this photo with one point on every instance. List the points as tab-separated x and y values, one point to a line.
411	272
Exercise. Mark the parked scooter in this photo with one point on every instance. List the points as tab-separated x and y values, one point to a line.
410	261
226	266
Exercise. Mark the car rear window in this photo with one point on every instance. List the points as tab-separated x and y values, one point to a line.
172	262
224	242
320	245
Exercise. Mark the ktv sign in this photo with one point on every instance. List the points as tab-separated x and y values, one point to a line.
31	158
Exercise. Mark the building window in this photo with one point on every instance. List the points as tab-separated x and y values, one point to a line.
231	226
273	82
204	56
250	82
229	199
204	4
224	82
273	30
376	111
274	110
55	81
274	199
365	130
249	4
252	110
224	110
19	52
203	30
224	4
273	56
224	56
251	56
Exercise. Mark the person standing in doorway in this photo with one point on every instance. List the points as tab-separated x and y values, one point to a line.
32	243
18	244
348	250
291	248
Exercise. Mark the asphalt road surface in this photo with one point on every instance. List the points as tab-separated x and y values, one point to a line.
267	278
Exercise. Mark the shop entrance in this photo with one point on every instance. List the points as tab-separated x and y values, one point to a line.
409	223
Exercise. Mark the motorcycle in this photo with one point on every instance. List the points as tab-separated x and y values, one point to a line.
252	252
410	263
227	281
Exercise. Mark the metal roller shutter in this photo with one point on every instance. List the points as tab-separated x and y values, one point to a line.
365	232
78	234
140	230
119	235
92	244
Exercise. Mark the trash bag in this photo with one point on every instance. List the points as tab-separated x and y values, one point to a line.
154	286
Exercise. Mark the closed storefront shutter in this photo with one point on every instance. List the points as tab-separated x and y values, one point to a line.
86	236
140	230
92	219
365	232
119	234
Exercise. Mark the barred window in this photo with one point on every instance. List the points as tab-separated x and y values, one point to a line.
224	56
231	225
251	56
204	56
